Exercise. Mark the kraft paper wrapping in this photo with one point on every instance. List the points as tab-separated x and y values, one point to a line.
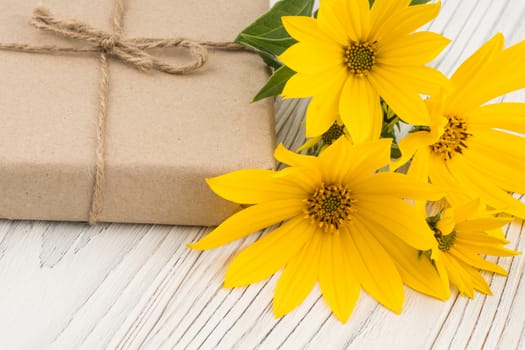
165	133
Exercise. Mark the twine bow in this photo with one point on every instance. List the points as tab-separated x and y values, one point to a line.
128	50
131	51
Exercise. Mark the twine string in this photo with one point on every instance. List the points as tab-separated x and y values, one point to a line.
128	50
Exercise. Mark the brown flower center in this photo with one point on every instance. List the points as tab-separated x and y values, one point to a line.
332	134
330	206
445	242
359	58
453	139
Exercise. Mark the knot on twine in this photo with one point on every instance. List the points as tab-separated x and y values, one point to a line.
107	44
131	51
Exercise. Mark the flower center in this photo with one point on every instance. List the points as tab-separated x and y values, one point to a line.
453	139
445	242
330	206
332	134
359	57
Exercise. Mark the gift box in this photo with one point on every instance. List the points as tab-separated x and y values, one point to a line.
164	133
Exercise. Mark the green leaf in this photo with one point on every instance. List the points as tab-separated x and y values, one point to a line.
272	46
275	84
395	152
267	57
267	33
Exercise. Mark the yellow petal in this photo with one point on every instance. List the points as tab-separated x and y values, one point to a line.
307	179
482	224
401	97
412	50
340	10
305	29
486	248
468	210
499	233
478	281
311	59
269	254
467	278
419	166
381	11
396	185
309	143
386	215
499	145
249	220
472	65
416	270
407	21
422	79
330	22
441	269
458	275
507	116
305	85
250	186
338	282
483	87
474	260
360	110
323	110
502	174
478	238
374	267
358	14
436	106
298	278
333	161
441	176
410	144
343	162
293	159
477	185
447	222
302	86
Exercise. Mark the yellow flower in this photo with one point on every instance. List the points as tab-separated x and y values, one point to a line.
341	224
352	54
462	235
472	149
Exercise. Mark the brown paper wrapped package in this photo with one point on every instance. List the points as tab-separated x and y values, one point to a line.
164	134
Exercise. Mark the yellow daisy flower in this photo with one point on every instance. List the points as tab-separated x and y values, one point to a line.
352	54
463	234
473	149
340	220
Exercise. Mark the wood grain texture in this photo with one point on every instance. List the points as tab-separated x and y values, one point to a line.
69	286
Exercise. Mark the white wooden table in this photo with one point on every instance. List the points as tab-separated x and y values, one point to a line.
69	286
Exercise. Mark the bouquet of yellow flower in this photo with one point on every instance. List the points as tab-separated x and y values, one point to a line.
365	208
